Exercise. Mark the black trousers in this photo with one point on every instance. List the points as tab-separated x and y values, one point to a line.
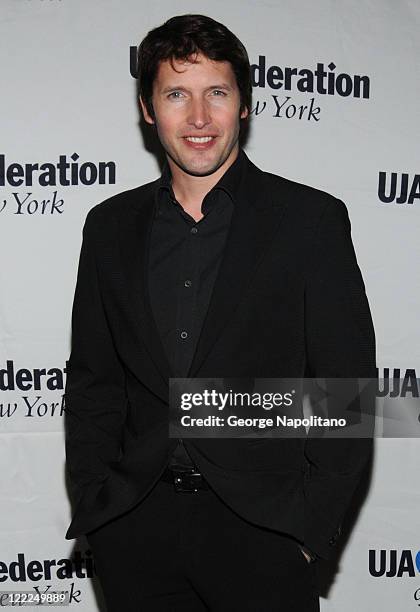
189	552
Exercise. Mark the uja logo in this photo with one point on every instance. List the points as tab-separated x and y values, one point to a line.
394	563
398	188
395	383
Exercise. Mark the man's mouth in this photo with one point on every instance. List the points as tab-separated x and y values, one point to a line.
199	139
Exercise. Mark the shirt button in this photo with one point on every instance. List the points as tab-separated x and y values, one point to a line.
187	283
194	230
184	335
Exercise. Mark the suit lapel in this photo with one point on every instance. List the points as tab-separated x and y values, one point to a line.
134	239
253	225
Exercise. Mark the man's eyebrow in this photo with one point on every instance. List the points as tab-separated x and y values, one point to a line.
181	88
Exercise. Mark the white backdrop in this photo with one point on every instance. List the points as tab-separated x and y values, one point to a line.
66	89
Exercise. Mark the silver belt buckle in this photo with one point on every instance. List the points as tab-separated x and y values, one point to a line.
186	482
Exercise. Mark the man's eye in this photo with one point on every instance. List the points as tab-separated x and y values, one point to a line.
219	92
175	94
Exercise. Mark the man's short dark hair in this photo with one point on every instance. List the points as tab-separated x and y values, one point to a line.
183	37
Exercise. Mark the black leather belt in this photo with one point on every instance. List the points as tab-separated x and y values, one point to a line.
185	481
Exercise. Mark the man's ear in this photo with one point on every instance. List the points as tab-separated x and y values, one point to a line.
244	114
147	116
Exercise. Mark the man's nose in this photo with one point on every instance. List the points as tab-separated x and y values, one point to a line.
199	113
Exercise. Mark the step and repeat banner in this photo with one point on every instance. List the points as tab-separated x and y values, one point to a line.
335	105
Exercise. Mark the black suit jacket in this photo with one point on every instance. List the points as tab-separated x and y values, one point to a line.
289	300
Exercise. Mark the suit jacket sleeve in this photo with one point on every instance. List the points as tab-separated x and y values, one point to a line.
340	343
95	397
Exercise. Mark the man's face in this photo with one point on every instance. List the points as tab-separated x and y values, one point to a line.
197	114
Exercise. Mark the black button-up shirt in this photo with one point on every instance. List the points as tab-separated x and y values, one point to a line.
184	259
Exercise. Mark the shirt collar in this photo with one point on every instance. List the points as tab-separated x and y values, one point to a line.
229	182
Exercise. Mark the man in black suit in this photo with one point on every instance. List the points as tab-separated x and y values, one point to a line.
215	270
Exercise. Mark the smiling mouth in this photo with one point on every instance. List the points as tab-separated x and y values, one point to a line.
199	139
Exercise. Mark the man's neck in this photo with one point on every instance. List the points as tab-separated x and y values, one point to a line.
190	191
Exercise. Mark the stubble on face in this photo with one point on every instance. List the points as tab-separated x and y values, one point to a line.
197	99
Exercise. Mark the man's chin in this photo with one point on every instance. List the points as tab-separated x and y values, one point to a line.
199	169
201	172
